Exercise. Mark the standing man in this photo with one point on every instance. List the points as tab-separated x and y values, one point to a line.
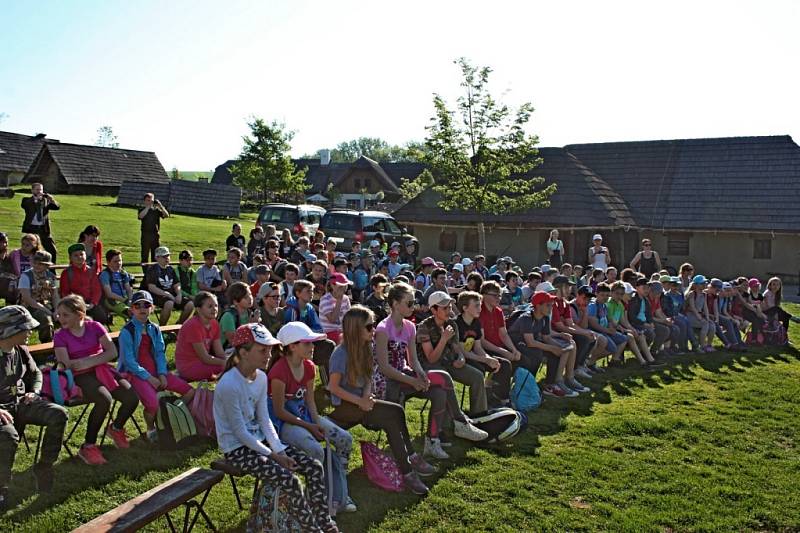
37	220
151	217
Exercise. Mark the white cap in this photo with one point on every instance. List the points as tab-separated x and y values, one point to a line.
459	267
439	298
545	268
545	286
597	237
629	288
466	261
374	243
293	332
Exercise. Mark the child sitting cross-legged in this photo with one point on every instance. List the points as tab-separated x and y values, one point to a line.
144	362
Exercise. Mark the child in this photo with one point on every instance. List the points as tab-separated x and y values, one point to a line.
376	301
79	279
334	305
262	276
291	273
234	270
248	439
771	304
143	361
240	312
163	284
187	275
299	309
38	292
697	311
209	278
116	284
268	299
617	317
199	354
235	239
512	293
292	404
319	278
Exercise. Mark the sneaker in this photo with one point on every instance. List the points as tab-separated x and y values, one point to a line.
91	455
119	437
615	363
465	430
415	484
594	369
152	435
553	390
583	372
567	390
44	477
577	387
709	349
433	448
421	466
655	364
350	506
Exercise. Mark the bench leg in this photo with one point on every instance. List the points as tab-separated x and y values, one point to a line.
188	526
74	427
236	492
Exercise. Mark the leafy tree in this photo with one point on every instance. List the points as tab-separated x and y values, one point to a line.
106	137
176	174
374	148
264	165
480	162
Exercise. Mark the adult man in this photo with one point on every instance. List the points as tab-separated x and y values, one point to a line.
164	284
38	289
37	216
79	279
151	216
20	404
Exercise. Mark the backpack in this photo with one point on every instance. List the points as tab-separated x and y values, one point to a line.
515	315
335	480
174	423
501	424
381	469
525	395
775	334
202	409
269	512
59	385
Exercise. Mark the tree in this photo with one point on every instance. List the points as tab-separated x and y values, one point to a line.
481	163
265	167
106	137
374	148
176	174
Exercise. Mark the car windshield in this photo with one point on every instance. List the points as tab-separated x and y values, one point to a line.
280	215
392	226
373	224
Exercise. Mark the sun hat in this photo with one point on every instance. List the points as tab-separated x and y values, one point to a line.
292	332
699	279
337	278
716	283
77	247
459	267
162	251
540	297
439	298
141	296
597	237
545	286
43	257
255	333
428	261
15	319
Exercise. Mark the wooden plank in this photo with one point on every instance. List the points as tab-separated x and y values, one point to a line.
46	348
145	508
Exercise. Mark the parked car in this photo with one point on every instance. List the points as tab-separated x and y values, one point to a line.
297	218
350	225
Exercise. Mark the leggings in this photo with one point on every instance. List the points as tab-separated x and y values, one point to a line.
441	394
302	439
386	416
705	326
310	509
90	386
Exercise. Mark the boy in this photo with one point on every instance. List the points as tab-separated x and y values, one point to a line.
79	279
291	273
376	301
725	328
640	316
597	312
234	269
262	277
187	275
20	403
38	289
567	318
299	308
209	278
116	284
235	239
162	282
512	293
143	361
239	313
394	266
423	279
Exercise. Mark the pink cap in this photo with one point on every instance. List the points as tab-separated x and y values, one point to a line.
337	278
429	261
753	282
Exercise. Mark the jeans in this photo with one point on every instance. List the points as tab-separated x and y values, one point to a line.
302	439
727	331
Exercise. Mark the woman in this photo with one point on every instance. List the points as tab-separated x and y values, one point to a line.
85	347
646	261
399	375
686	272
771	304
268	300
287	244
198	352
292	404
22	257
90	239
350	385
555	250
697	312
248	439
599	255
333	306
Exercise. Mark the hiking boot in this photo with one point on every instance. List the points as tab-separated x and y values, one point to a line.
553	390
583	372
433	448
465	430
44	477
119	437
577	387
421	466
567	390
91	455
415	484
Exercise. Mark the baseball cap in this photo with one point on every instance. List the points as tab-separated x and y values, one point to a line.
586	290
3	236
292	332
699	279
665	279
255	333
262	269
545	286
395	244
208	252
393	252
331	239
562	280
265	289
716	283
337	278
141	296
753	282
373	243
162	251
629	288
454	254
466	261
641	280
310	257
185	254
428	261
675	279
656	287
459	267
15	319
43	257
726	285
540	297
439	298
597	237
545	268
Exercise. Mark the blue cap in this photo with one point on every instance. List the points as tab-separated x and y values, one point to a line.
141	296
699	280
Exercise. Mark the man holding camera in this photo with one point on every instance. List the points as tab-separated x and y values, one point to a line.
151	216
37	220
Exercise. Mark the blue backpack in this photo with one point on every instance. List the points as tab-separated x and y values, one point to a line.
525	395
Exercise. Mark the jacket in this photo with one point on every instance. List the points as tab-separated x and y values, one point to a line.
30	207
83	282
633	311
130	337
15	367
292	314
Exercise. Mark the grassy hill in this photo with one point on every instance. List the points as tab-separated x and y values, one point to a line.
194	175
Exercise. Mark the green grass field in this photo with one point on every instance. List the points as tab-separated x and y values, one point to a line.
710	443
194	175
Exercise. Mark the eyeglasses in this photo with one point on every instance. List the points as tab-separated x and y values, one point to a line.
648	245
370	326
272	296
143	305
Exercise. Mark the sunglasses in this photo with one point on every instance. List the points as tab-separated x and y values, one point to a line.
143	305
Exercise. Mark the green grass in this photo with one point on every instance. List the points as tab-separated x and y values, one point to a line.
194	175
710	443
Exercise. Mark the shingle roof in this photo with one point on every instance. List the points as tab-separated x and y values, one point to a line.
18	151
183	196
132	192
366	163
106	167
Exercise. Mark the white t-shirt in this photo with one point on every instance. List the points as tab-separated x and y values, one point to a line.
599	260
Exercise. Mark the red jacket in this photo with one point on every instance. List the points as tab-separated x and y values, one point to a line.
83	282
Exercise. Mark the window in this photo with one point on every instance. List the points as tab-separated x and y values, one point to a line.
373	224
448	242
471	241
678	244
762	248
392	227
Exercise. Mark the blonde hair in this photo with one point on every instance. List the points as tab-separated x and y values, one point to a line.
74	303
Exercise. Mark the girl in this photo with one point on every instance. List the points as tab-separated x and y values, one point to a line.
240	312
398	373
293	407
234	270
334	305
697	312
90	238
382	246
199	355
22	257
248	438
749	310
268	299
771	304
685	273
257	244
555	250
599	255
474	282
85	347
350	385
287	244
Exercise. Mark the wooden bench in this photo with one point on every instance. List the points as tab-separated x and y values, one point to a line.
179	491
221	465
44	350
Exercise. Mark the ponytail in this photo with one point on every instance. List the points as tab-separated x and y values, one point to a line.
233	359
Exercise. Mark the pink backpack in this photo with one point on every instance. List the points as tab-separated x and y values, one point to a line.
202	409
59	385
381	468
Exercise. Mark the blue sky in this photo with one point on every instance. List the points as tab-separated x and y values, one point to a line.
181	78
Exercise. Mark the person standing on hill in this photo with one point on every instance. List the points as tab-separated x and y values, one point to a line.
37	219
151	216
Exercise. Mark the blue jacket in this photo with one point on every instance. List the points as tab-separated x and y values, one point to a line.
308	315
129	339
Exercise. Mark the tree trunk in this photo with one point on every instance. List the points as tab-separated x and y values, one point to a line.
481	238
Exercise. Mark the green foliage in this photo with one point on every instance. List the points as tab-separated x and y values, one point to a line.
264	165
478	162
175	173
376	149
106	137
411	187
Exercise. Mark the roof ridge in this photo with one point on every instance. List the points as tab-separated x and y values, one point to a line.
595	182
62	144
785	137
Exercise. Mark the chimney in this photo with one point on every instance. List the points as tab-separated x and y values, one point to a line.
325	157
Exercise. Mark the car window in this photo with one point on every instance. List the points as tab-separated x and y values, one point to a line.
340	222
374	224
392	226
279	215
313	217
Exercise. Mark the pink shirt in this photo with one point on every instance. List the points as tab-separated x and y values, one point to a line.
193	331
326	305
80	347
399	340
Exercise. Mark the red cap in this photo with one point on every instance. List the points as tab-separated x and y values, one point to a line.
337	278
541	297
394	252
